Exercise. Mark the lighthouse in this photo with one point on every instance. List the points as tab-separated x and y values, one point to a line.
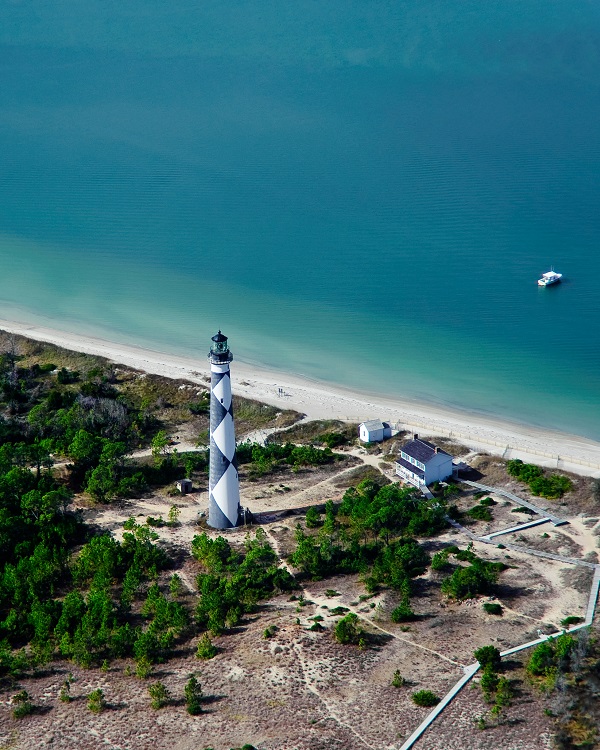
223	483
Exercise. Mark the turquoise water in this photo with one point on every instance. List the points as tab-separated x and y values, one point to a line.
361	195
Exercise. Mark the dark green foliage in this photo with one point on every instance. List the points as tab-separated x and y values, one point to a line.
479	577
492	608
234	584
348	630
480	513
263	459
488	657
313	518
489	682
487	502
571	620
551	487
551	656
390	510
440	560
333	439
523	509
525	472
193	697
402	613
425	698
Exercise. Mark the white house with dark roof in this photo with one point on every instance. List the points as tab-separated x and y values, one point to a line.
421	463
374	431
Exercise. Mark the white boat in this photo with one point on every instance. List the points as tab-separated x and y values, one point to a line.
550	277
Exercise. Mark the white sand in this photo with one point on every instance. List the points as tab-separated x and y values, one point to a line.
322	400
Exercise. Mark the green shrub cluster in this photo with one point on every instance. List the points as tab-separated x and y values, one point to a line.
478	577
551	487
263	459
234	583
551	656
425	698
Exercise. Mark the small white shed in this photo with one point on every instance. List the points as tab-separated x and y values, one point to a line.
374	431
184	486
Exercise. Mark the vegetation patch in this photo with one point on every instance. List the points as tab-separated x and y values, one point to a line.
552	487
425	698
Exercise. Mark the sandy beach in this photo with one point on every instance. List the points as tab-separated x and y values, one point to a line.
328	401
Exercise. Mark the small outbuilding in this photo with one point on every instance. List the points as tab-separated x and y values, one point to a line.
374	431
422	463
184	486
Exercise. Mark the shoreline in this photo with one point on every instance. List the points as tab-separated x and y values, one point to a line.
319	400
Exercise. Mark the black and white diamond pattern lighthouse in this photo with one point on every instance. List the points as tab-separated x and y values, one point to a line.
224	487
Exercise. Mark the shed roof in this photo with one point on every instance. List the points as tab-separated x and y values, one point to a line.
373	424
422	450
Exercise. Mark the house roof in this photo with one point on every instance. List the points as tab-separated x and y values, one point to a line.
413	469
373	424
421	450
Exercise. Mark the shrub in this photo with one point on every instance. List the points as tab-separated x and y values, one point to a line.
403	612
488	657
425	698
523	509
96	701
551	487
571	620
193	697
333	439
313	518
480	513
397	680
487	502
542	659
489	683
348	629
492	608
206	649
440	560
22	705
160	696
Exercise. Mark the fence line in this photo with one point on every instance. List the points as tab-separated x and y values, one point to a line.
504	445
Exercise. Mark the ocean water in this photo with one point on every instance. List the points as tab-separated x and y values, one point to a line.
363	195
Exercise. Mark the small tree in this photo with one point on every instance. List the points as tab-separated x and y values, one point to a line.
403	612
489	683
65	690
174	513
398	681
175	585
160	444
143	667
160	696
488	656
348	630
206	649
193	697
313	518
22	704
96	701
